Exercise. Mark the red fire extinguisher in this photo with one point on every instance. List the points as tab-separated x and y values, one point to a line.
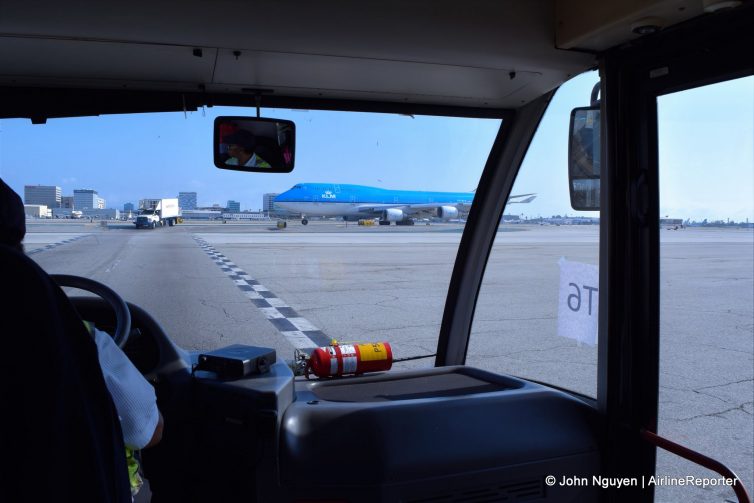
343	359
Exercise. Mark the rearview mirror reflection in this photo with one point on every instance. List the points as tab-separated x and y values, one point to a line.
254	144
584	159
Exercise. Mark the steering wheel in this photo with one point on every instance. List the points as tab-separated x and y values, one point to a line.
122	313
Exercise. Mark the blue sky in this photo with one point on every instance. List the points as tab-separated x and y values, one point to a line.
707	156
707	151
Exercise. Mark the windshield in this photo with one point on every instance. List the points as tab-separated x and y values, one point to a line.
221	270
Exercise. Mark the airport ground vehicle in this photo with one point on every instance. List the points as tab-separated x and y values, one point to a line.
162	212
498	439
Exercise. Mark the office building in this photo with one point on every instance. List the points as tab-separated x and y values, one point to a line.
268	202
86	198
234	207
67	202
187	200
128	207
47	195
271	209
100	203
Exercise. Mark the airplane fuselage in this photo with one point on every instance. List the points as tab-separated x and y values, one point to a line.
358	200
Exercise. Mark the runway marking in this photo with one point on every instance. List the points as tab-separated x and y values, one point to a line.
298	331
115	264
55	245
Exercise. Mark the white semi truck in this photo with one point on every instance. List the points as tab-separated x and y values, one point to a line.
159	212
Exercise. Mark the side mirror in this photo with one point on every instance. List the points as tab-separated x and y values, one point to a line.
254	144
584	159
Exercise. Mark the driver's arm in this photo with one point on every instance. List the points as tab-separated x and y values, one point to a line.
132	395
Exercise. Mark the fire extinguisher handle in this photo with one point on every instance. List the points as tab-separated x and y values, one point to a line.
307	369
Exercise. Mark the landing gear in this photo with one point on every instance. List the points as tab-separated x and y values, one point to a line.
304	221
384	222
405	222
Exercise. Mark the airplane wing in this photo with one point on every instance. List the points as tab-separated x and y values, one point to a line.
422	210
410	208
528	198
430	209
376	208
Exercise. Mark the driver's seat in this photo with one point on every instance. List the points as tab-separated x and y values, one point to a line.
61	437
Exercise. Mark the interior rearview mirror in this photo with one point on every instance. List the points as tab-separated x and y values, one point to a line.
254	144
584	159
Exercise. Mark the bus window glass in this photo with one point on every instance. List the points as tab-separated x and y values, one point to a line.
222	269
536	316
706	286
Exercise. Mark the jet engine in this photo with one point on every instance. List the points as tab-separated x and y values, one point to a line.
393	215
447	212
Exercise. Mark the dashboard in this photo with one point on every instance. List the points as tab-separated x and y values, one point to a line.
446	432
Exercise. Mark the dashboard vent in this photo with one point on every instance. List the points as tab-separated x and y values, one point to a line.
519	491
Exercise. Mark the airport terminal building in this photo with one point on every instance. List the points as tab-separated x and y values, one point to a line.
201	214
101	213
245	215
37	211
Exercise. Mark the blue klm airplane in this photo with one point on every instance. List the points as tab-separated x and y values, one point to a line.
353	202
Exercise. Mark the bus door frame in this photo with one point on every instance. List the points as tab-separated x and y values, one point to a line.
711	48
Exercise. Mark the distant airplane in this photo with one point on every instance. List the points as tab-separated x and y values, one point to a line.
353	202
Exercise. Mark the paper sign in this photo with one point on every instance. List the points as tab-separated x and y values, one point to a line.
578	301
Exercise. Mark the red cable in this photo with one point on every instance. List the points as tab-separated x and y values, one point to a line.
698	458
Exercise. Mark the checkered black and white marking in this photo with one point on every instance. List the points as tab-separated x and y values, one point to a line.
299	331
55	245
